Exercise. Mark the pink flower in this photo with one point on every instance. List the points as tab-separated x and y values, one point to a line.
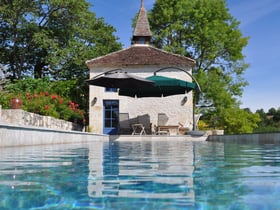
47	107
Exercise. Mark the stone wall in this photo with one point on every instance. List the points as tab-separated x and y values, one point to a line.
12	136
22	118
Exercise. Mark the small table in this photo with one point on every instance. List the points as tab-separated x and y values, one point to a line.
138	129
171	129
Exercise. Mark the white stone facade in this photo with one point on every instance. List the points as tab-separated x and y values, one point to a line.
173	106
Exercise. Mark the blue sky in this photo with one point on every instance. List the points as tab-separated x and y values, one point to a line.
260	20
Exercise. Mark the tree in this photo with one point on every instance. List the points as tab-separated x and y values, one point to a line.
237	121
53	38
276	117
205	31
263	118
272	111
270	121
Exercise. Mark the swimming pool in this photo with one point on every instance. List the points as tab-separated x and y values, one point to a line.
141	175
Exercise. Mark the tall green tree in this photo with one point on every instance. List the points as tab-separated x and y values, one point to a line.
205	31
51	37
270	121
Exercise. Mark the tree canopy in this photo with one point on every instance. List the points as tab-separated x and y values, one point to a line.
205	31
51	37
270	121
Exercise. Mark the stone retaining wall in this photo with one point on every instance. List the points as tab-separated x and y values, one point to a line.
20	117
12	136
258	138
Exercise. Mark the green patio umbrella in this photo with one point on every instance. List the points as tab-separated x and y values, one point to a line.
163	86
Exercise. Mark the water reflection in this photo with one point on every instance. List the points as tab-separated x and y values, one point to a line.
237	176
141	169
147	175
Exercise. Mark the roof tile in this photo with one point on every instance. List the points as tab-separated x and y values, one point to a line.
140	55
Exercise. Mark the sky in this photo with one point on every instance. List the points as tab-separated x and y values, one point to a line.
259	20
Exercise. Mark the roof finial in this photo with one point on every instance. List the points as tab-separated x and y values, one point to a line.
142	33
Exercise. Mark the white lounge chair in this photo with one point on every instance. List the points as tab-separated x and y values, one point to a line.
188	126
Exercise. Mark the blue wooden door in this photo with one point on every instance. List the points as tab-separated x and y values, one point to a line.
111	111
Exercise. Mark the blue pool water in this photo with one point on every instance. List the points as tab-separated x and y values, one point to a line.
141	175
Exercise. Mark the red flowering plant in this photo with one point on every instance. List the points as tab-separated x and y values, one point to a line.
49	97
53	105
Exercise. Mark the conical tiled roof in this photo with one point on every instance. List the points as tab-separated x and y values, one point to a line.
142	30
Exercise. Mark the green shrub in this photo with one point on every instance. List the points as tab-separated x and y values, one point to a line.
46	104
49	98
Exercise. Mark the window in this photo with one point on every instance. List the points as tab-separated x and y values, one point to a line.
111	90
142	40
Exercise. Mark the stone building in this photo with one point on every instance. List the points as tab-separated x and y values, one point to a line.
140	59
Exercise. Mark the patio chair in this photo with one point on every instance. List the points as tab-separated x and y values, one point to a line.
184	128
146	122
162	121
188	126
124	124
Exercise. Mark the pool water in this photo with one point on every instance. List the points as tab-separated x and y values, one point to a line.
141	175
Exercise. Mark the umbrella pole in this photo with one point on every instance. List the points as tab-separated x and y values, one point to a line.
197	90
194	101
